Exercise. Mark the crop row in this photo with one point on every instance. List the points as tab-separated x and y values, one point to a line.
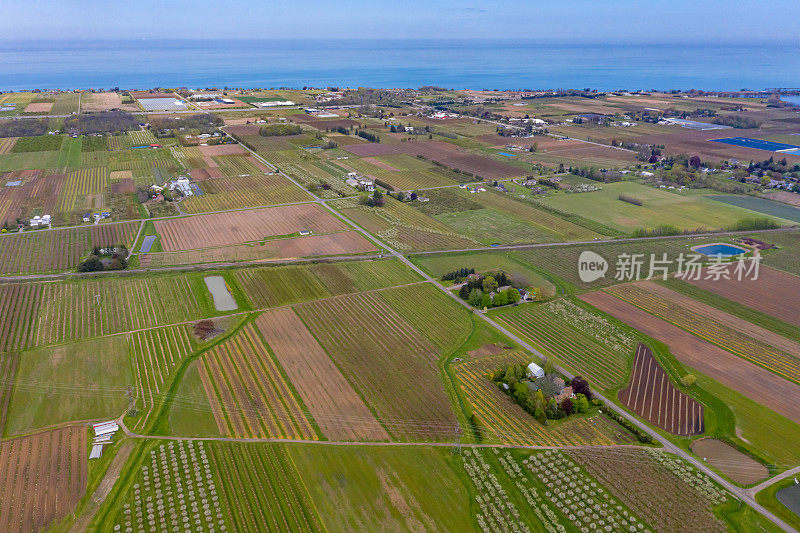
577	346
712	330
389	363
156	353
72	311
662	490
249	391
44	251
173	490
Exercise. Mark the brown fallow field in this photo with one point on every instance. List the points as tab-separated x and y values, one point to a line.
36	191
220	229
739	467
685	141
337	409
43	477
651	395
39	107
775	293
730	370
96	102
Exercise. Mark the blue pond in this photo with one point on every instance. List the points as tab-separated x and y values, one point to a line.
506	154
759	144
725	250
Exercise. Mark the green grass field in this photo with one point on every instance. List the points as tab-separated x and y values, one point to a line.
760	205
29	160
79	381
387	489
659	207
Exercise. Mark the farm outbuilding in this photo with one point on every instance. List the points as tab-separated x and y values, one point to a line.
534	371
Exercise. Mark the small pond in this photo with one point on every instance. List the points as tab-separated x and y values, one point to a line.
725	250
223	299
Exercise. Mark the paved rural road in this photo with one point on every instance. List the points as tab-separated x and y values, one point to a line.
740	493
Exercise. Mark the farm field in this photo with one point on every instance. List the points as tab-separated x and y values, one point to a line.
244	226
562	261
386	489
732	371
760	205
58	249
44	475
403	227
652	396
72	311
584	341
276	286
388	362
656	486
241	192
20	303
249	394
156	354
501	421
332	402
774	292
659	207
331	244
86	381
751	342
418	303
730	461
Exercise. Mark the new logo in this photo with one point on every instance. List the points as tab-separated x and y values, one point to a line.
591	266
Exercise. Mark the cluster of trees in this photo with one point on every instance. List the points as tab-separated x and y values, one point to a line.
164	126
530	395
106	122
460	273
376	200
275	130
630	199
737	122
107	258
781	166
371	137
482	291
605	176
25	127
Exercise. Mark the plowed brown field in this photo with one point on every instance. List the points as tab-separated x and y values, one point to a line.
775	293
752	381
652	396
43	476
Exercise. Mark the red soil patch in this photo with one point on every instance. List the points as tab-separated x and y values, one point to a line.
752	381
222	149
653	397
39	107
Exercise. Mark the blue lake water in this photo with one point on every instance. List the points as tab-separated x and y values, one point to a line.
725	250
474	64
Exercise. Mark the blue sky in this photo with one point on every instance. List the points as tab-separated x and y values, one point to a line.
584	20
